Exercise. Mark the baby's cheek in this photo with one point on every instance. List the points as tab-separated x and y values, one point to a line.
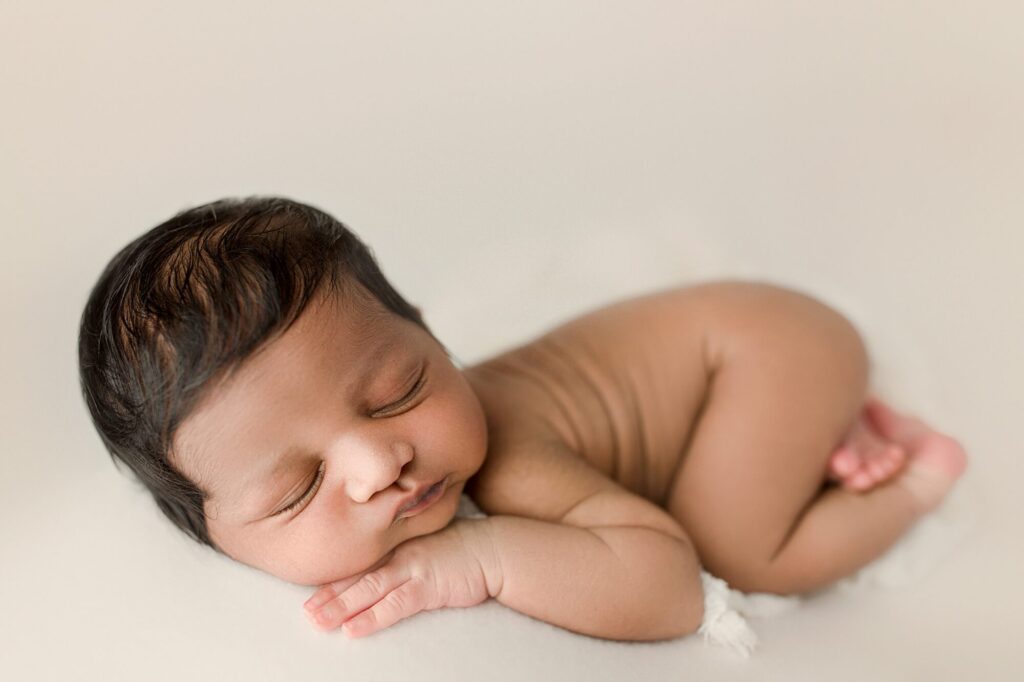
468	420
318	568
341	553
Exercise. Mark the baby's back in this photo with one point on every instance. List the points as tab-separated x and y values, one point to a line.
619	386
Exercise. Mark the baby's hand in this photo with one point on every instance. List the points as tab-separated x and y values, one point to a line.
424	573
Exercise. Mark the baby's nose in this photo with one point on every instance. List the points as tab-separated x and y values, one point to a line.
376	469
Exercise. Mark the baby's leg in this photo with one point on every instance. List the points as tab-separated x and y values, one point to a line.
751	487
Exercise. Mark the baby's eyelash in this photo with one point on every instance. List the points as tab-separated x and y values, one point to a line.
410	395
415	389
310	491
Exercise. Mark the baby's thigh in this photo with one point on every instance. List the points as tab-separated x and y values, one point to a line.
759	449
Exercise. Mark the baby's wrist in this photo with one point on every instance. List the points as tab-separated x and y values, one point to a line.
480	538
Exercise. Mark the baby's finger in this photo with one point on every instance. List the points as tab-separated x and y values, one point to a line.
331	590
366	592
328	592
406	600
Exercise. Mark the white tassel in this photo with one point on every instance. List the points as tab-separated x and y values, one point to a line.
722	626
724	610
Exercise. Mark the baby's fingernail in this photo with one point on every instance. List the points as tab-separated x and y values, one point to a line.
316	601
328	614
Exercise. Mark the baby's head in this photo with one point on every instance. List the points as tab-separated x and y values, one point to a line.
249	362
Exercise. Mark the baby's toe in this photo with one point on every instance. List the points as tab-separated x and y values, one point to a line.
896	456
880	469
859	482
844	462
895	453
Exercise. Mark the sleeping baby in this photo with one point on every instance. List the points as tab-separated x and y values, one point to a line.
251	365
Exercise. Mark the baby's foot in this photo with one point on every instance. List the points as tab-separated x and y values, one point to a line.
865	459
934	460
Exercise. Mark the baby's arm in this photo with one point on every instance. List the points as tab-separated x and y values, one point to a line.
618	582
576	549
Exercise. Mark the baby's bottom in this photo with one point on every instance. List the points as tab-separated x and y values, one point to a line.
752	488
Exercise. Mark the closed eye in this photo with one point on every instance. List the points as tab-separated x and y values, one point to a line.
408	396
308	494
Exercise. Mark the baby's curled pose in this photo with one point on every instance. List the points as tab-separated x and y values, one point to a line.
286	406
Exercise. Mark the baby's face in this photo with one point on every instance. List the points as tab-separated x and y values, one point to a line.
344	417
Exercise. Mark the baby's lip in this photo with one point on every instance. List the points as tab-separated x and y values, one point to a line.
410	500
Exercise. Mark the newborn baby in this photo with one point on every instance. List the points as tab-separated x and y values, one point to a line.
250	363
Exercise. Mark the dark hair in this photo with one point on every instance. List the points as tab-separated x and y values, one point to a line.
191	299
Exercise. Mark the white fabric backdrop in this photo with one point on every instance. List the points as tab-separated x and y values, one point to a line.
513	164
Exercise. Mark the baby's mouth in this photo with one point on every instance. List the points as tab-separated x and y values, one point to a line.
418	504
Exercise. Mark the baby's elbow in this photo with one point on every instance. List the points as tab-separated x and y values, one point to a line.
669	619
662	580
694	616
679	621
689	616
683	616
689	612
